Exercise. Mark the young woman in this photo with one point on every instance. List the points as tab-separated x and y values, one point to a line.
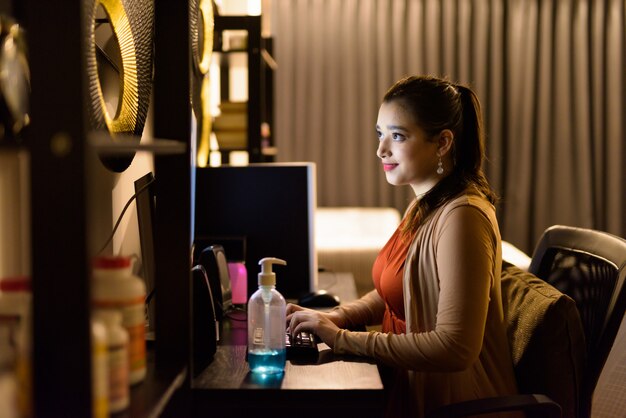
437	280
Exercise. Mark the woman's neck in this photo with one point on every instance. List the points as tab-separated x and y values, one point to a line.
420	189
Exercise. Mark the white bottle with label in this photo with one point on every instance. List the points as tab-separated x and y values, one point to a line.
117	354
15	316
8	380
266	323
99	370
115	287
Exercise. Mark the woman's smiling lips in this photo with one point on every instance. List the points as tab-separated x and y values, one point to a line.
389	167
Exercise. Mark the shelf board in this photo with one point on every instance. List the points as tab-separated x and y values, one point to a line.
149	398
11	145
230	51
106	144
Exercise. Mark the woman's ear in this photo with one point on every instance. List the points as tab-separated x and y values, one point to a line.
445	141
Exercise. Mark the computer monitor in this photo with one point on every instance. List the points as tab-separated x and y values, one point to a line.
145	202
271	205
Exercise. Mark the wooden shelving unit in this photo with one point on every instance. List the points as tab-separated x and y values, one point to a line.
57	142
260	79
61	160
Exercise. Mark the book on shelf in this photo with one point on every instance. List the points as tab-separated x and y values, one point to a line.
229	140
233	107
231	122
231	126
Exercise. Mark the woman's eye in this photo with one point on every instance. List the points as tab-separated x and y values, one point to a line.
379	135
397	137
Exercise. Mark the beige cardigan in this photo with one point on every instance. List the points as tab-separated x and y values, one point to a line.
455	347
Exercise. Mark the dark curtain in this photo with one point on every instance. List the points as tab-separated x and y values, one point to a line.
549	73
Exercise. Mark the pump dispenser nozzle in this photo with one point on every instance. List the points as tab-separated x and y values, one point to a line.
267	277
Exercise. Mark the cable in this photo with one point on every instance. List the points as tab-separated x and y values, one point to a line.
236	313
119	219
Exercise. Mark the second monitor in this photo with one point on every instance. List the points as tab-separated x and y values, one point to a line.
273	207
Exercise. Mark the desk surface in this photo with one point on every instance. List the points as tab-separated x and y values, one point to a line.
330	384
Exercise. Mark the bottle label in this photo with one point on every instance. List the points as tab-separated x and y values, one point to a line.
258	336
118	377
100	375
12	323
136	347
118	303
133	320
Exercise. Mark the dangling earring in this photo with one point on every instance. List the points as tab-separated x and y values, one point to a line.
439	166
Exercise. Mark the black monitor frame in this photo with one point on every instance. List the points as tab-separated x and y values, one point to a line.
146	211
273	206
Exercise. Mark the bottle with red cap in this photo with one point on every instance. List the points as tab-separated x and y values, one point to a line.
115	287
15	319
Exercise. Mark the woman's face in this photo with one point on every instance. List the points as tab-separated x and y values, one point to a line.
407	156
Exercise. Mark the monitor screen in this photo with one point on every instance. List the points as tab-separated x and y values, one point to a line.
270	205
145	201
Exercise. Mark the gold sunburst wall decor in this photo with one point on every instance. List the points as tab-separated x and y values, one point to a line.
131	25
208	26
14	80
202	25
125	117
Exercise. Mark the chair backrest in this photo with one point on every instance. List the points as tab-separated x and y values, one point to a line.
546	338
590	267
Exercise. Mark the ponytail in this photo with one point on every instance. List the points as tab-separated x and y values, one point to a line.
472	136
472	144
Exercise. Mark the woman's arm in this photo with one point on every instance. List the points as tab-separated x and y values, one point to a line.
367	310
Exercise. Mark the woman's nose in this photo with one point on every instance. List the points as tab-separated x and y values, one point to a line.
383	148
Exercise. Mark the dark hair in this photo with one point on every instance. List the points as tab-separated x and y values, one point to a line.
437	104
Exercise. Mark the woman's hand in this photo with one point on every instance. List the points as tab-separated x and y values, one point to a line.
322	324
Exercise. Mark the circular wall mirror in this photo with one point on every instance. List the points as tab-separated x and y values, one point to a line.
109	63
119	69
14	80
201	22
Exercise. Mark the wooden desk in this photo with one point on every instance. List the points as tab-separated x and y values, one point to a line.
328	386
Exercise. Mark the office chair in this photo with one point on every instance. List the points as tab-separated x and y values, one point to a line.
582	268
590	267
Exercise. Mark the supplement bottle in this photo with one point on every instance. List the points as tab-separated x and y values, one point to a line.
99	370
115	287
117	354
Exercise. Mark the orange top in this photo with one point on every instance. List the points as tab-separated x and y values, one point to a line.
387	273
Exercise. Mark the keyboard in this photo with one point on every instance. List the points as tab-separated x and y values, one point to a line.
301	345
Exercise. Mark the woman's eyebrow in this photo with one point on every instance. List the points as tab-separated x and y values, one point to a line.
397	128
393	127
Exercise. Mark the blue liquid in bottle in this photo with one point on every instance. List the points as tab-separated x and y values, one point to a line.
267	361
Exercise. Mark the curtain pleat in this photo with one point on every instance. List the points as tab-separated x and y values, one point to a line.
615	215
549	74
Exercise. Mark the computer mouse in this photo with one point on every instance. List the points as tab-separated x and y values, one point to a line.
319	299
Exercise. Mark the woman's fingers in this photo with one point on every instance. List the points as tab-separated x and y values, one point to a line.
295	320
306	320
292	307
315	322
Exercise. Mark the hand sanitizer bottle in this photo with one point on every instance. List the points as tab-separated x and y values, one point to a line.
266	323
